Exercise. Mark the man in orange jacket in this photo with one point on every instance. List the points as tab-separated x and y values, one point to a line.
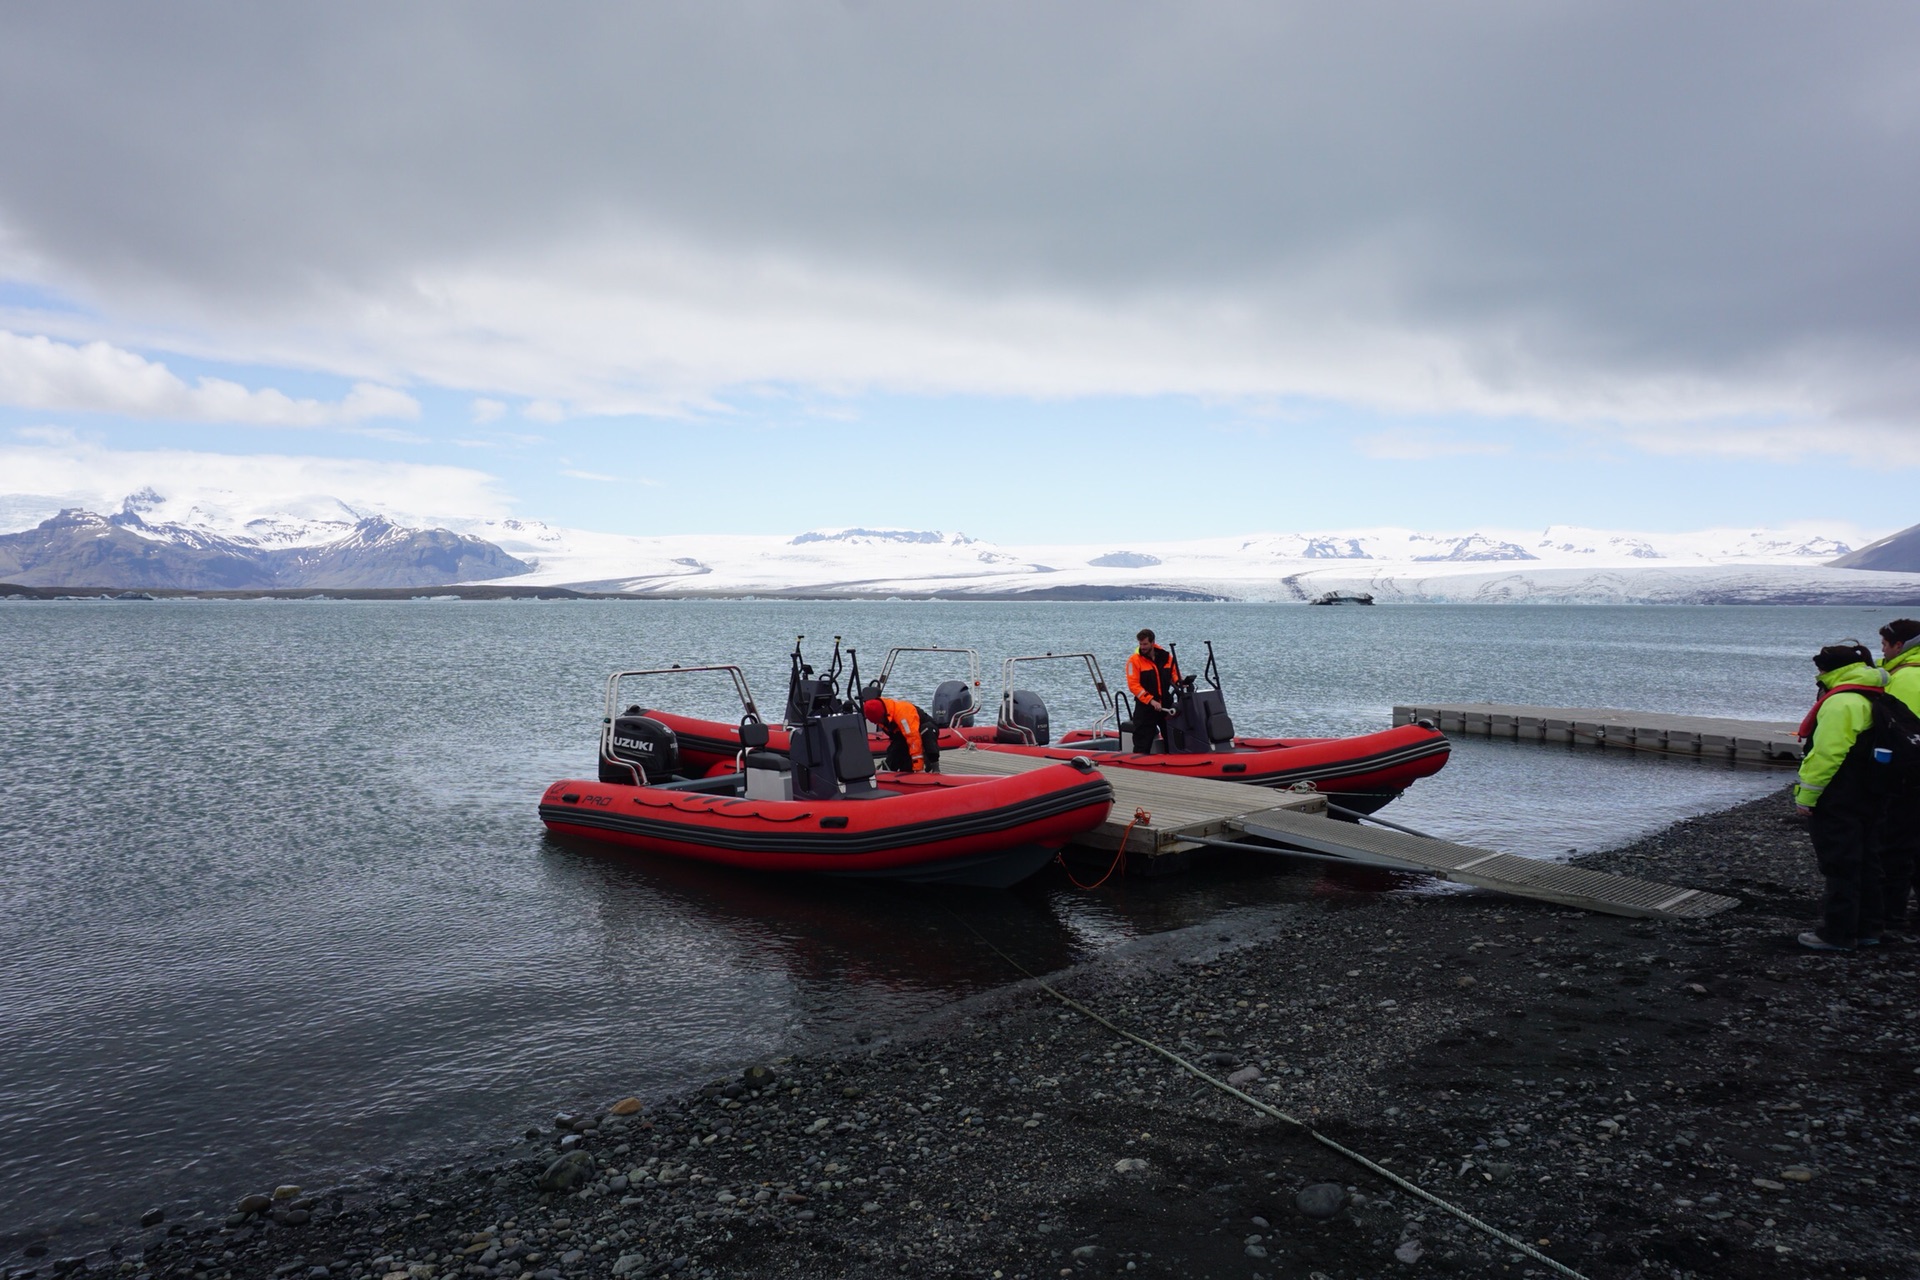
1151	675
913	740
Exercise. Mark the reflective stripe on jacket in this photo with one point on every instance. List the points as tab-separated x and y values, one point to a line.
903	721
1152	673
1837	725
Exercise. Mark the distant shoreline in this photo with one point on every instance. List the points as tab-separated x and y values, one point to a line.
1087	594
472	591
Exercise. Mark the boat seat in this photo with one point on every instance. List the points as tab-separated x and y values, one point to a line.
766	776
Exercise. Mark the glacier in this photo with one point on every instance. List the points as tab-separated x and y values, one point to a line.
1786	563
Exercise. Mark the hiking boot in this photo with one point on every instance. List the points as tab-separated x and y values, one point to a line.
1812	941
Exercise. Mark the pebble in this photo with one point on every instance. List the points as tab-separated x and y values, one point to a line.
1768	1184
1131	1164
625	1107
1797	1173
286	1191
1410	1251
566	1173
258	1202
153	1217
1245	1075
1321	1200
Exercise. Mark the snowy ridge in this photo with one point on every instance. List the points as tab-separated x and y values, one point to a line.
1562	563
1559	564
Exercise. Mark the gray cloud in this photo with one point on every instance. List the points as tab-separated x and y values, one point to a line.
1581	208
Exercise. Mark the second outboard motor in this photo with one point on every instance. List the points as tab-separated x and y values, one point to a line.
1030	724
641	740
953	705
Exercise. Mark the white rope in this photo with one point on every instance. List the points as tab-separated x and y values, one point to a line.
1485	1228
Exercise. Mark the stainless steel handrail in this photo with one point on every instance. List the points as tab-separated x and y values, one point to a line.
973	668
613	701
1109	708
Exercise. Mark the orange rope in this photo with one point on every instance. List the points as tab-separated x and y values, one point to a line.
1119	856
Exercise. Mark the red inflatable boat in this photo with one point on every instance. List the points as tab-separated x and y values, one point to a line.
817	806
1361	773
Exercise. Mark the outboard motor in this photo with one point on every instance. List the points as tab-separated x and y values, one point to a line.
641	740
953	705
1029	722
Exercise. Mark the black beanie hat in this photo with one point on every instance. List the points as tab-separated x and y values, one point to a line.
1835	656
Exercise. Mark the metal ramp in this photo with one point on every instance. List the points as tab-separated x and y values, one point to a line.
1501	872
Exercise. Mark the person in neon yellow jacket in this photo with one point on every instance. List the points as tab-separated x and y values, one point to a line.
1900	823
1838	794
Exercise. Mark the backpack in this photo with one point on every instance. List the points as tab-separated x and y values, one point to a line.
1896	730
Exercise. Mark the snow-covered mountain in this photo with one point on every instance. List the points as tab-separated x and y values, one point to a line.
212	551
1558	564
324	538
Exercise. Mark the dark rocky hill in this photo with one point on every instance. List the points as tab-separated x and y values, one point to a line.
121	551
1896	553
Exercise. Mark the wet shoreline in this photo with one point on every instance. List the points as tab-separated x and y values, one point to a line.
1647	1099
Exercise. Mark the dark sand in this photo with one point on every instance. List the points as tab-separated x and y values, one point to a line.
1636	1098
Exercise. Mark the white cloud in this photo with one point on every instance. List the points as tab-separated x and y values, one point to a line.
595	475
1890	446
485	410
1620	213
1414	444
75	473
40	373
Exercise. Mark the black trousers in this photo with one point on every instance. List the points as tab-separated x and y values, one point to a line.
1845	829
1149	723
900	758
1899	841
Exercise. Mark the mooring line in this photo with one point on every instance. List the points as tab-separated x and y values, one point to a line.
1485	1228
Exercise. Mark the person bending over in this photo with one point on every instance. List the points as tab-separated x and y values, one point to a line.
1151	675
913	740
1837	794
1900	823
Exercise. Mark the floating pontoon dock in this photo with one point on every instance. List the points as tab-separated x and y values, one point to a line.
1709	737
1195	813
1180	808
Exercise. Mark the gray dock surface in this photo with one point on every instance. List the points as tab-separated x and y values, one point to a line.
1766	742
1188	812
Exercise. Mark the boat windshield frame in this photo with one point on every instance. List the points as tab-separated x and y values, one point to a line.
973	664
740	687
1109	705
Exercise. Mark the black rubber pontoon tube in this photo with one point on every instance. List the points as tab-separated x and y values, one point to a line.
1485	1228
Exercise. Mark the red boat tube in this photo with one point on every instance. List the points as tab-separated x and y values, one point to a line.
927	828
1362	773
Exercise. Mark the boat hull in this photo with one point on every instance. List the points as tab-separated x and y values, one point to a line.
923	828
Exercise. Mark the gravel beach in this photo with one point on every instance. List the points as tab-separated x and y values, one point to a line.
1631	1098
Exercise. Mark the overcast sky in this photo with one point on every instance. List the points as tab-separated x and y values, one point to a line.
1021	269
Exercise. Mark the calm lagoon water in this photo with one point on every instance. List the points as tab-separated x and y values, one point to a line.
275	901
